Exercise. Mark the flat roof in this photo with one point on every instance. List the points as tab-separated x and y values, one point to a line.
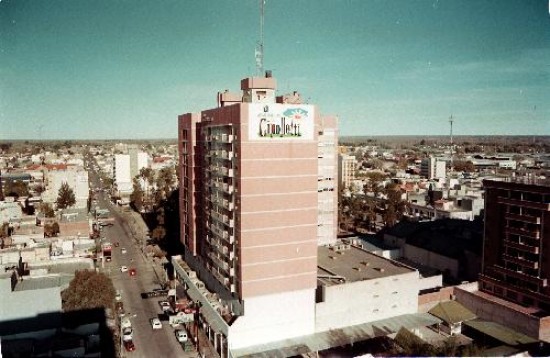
38	283
347	263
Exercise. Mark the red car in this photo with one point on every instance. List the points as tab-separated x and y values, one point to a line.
132	272
129	345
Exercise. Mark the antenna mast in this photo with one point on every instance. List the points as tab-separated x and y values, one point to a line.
260	44
451	122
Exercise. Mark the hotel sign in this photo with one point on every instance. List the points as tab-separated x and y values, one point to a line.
276	121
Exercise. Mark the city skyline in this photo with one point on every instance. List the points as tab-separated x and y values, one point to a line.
117	69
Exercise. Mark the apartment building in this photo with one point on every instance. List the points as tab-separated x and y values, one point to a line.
433	168
255	173
517	233
347	165
126	167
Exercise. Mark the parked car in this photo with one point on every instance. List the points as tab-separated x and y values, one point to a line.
123	250
123	269
165	305
127	334
132	272
129	346
155	323
181	335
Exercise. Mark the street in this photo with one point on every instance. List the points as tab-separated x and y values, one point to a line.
148	342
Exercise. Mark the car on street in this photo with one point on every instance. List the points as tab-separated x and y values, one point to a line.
129	346
181	335
127	334
155	323
123	269
165	305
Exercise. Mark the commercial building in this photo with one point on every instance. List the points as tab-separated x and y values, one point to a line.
517	234
255	174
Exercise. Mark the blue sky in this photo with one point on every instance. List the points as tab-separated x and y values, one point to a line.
80	69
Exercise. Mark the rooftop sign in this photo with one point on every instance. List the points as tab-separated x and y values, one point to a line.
276	122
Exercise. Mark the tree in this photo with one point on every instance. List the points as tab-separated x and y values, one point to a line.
395	206
87	290
464	166
65	196
137	196
159	232
51	230
373	185
165	183
47	210
16	188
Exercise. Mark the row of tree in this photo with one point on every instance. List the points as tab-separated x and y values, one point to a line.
362	210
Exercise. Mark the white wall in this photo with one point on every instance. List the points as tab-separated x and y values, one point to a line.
366	301
274	317
76	178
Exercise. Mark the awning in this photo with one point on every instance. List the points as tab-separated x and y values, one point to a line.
500	332
336	337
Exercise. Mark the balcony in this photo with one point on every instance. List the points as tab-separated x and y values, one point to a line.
535	234
522	247
227	237
218	261
226	172
218	275
228	205
523	218
227	188
524	203
522	276
521	261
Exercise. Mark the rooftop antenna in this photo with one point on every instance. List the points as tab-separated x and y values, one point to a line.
451	122
260	45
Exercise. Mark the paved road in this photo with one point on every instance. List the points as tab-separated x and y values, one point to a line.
148	342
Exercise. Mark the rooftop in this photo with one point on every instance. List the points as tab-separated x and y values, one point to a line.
518	180
348	263
43	282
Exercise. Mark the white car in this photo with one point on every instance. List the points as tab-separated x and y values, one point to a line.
181	335
127	334
123	250
155	323
123	269
165	305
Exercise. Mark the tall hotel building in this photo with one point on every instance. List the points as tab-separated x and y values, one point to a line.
258	194
516	251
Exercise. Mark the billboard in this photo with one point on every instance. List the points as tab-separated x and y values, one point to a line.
276	121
